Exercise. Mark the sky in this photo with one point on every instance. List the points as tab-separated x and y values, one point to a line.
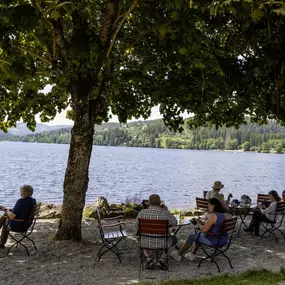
60	118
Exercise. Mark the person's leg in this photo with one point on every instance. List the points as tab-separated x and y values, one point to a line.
149	259
2	221
4	234
191	239
200	240
255	216
261	218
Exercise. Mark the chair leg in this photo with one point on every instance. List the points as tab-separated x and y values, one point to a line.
209	257
113	248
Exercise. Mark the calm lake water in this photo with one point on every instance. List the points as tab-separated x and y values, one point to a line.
117	173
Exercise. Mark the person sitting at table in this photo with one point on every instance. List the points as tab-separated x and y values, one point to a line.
215	193
210	232
264	214
21	211
156	211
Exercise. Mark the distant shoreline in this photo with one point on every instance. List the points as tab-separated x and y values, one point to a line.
124	146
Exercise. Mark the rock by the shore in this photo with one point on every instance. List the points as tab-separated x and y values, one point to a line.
50	211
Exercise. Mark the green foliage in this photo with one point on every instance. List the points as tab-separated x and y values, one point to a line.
231	144
261	277
246	146
155	134
127	58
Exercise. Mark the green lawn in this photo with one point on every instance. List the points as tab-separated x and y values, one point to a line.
262	277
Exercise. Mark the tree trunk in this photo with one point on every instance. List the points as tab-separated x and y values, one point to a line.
76	176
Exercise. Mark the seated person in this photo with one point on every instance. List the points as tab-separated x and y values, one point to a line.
210	232
156	211
22	211
263	214
215	193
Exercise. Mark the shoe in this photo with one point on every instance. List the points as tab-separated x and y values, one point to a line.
2	245
150	265
191	256
175	254
248	230
162	265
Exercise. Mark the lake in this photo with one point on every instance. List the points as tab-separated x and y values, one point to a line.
116	173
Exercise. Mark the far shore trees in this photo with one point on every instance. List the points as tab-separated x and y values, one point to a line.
218	60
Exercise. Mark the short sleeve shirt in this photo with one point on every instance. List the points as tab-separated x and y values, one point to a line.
23	210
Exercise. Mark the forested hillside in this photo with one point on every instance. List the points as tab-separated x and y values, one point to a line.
253	137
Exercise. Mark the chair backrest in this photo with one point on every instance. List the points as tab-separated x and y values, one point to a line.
280	207
34	215
229	225
205	194
263	198
202	204
149	227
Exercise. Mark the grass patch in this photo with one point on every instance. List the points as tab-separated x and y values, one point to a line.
262	277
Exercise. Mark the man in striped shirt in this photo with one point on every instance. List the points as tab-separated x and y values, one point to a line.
156	211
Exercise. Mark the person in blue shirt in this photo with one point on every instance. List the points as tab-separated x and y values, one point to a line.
21	211
210	232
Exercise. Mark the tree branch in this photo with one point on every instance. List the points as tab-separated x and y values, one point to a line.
119	27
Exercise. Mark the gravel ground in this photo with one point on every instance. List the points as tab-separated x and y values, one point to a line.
69	263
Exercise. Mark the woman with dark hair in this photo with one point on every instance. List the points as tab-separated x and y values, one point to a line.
263	214
210	232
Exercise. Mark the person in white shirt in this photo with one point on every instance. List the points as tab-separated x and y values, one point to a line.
263	214
215	193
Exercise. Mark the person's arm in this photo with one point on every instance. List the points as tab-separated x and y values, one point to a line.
208	196
211	221
172	220
13	214
270	210
229	198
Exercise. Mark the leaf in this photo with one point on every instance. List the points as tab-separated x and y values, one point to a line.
257	14
55	14
63	4
280	11
163	29
183	50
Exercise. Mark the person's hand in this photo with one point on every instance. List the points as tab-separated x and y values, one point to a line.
263	207
199	222
163	207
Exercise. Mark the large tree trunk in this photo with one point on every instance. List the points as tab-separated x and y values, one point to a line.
76	176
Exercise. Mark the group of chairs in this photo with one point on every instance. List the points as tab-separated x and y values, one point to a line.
112	234
270	228
159	229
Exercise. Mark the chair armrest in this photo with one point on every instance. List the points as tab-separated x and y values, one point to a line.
113	225
114	218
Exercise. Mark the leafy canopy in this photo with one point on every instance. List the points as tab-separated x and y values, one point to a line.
217	60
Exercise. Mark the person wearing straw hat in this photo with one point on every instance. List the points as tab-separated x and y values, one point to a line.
215	193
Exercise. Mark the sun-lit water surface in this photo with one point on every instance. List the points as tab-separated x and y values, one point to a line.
178	176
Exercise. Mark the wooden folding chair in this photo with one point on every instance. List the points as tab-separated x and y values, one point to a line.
264	199
274	226
157	234
20	237
227	228
202	206
110	239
